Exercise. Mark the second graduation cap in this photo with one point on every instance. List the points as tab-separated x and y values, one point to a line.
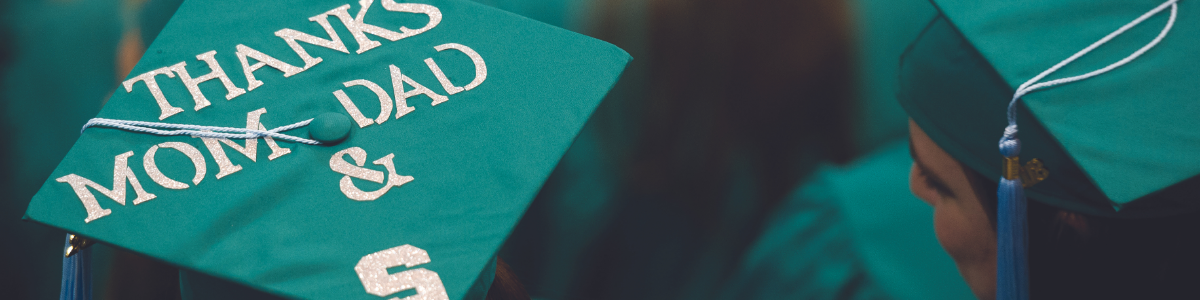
434	125
1120	144
1112	122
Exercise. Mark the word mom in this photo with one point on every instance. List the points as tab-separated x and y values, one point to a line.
122	173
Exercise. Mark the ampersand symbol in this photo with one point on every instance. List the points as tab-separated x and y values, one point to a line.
340	165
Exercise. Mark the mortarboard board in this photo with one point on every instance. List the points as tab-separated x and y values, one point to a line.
435	123
1110	138
1119	142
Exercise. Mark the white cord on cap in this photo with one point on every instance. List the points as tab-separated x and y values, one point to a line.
203	131
1031	85
1012	273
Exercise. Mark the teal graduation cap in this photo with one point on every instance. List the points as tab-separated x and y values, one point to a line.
331	149
1116	145
1089	106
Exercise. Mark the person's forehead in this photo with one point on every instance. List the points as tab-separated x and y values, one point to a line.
928	155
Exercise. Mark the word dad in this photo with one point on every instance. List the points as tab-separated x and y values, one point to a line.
123	174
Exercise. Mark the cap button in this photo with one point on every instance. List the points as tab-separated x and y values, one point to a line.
330	128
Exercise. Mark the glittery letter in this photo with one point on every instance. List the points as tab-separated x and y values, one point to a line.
385	103
250	150
148	78
480	69
193	84
338	164
291	36
121	173
435	15
158	177
356	26
372	271
263	60
398	81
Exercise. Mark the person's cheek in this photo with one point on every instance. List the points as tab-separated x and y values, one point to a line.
944	229
970	243
956	233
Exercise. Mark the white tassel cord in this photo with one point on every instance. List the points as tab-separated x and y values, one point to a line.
1012	277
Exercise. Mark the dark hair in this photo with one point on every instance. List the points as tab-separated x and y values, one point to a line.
506	286
764	88
727	104
1073	256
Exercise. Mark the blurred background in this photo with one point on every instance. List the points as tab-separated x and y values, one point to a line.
752	150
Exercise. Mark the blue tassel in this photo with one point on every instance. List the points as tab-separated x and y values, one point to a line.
77	273
1012	238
